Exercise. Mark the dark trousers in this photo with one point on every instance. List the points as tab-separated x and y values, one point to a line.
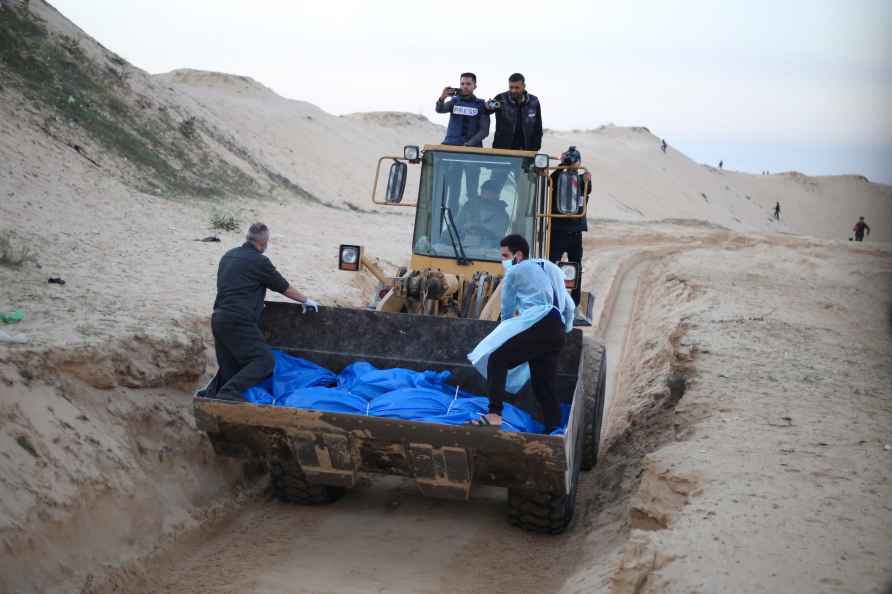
859	237
571	243
244	358
540	345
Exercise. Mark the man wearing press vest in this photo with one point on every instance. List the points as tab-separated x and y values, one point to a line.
468	126
468	119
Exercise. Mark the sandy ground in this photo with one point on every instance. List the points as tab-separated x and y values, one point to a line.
769	473
773	471
749	414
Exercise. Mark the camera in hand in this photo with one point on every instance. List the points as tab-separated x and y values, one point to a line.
454	91
570	156
493	104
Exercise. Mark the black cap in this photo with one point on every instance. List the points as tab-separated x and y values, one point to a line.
571	155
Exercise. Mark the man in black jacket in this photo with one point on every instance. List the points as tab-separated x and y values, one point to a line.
243	277
566	233
518	117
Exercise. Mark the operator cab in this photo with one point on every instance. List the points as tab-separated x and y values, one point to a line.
468	202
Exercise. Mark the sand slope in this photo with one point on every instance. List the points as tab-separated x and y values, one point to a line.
99	460
335	157
246	141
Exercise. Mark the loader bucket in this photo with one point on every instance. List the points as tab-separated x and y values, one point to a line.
444	460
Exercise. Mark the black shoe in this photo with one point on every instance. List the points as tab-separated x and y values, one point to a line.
209	391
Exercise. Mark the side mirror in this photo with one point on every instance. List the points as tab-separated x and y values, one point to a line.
568	193
396	182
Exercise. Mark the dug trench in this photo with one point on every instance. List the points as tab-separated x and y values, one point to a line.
113	489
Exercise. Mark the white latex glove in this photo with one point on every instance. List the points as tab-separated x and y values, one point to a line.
309	304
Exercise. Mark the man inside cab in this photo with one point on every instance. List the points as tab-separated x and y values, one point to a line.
486	216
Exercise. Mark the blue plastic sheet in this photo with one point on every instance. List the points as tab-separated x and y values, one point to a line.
411	404
365	379
262	393
363	389
290	374
294	373
326	399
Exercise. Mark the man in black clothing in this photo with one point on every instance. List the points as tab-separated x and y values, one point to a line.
777	211
518	117
566	233
243	277
859	229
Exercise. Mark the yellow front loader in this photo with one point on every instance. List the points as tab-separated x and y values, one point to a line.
428	316
468	199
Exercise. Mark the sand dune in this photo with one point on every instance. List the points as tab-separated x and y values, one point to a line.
109	174
633	179
250	142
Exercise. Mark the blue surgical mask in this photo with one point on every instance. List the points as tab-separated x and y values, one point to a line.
507	264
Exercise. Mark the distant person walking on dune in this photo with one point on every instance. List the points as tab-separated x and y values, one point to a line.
721	163
663	145
777	211
860	228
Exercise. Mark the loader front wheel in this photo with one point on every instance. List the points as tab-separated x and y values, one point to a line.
544	512
290	485
539	512
594	377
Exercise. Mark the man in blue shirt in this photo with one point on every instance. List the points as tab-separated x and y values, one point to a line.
468	119
468	126
537	312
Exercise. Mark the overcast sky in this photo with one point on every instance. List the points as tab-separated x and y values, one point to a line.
778	85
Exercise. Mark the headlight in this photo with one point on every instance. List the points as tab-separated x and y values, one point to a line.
540	161
571	274
348	257
411	153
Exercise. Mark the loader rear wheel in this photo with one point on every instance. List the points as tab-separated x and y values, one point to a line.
290	485
594	377
544	512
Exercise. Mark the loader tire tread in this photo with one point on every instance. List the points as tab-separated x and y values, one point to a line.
548	517
289	484
594	383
